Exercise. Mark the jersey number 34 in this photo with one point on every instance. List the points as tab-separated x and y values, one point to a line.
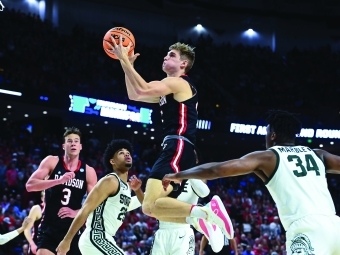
310	165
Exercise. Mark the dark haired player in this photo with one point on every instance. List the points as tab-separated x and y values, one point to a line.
295	176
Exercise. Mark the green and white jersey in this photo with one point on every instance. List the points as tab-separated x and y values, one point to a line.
298	184
109	215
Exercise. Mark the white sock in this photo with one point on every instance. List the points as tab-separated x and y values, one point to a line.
197	212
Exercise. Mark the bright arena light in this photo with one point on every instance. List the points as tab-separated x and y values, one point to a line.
250	33
10	92
199	28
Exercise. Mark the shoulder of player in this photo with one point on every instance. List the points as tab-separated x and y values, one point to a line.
49	162
35	212
110	182
174	82
91	175
319	152
51	159
261	155
89	169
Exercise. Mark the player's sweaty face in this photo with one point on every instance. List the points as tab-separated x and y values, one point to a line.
72	144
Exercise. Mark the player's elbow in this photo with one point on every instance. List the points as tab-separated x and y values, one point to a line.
144	92
30	187
139	93
132	96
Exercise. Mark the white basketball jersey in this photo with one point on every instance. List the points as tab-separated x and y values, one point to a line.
109	215
298	184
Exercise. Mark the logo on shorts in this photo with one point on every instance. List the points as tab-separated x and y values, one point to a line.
301	245
2	7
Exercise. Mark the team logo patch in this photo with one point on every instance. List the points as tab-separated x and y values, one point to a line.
301	245
81	170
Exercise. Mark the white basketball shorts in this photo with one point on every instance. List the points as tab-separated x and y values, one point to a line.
94	242
314	235
174	241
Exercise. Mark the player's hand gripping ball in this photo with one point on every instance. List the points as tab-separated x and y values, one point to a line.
115	32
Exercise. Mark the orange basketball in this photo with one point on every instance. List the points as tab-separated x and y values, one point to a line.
115	32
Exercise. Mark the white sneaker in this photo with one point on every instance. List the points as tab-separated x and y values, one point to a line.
217	214
212	232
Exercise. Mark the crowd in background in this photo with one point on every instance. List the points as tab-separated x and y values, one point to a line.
35	55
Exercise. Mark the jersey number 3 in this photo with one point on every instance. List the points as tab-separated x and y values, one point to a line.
310	165
67	196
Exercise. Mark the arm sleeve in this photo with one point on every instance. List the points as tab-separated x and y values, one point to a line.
200	188
134	204
9	236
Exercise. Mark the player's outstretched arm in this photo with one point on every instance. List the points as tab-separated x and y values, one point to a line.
136	201
148	91
11	235
104	188
129	86
35	214
37	180
331	161
253	162
91	178
132	94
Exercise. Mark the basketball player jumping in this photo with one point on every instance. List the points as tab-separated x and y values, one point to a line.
295	177
105	207
178	238
65	181
177	97
35	214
